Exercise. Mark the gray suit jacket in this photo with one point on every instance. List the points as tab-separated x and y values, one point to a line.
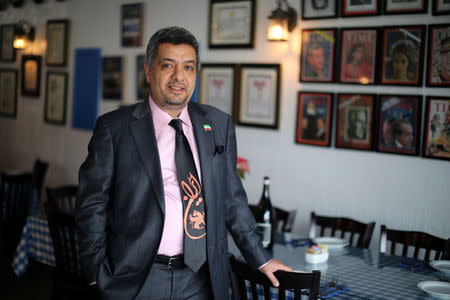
120	205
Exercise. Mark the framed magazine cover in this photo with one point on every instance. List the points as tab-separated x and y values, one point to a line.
31	75
399	124
56	98
259	95
402	60
314	112
392	7
317	55
441	7
438	71
112	77
358	49
319	9
360	8
231	23
436	135
132	24
218	86
355	121
8	93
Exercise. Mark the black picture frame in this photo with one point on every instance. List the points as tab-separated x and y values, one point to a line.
131	24
57	34
112	78
31	75
436	129
440	8
7	50
8	92
231	24
402	56
142	87
317	57
405	7
438	64
319	9
360	8
56	98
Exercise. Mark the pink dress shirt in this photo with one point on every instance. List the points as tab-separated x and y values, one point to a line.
173	231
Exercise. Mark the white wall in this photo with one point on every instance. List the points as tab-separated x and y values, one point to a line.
402	192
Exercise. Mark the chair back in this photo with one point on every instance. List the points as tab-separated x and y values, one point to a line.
331	226
288	281
415	240
62	198
284	220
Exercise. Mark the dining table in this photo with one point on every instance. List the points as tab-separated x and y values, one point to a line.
364	273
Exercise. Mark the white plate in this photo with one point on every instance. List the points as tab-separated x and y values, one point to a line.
438	289
332	242
441	265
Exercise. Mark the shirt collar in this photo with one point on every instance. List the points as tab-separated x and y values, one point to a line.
161	118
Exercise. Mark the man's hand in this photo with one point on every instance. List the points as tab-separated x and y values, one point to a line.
273	266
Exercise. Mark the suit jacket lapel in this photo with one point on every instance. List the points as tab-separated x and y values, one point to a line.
143	131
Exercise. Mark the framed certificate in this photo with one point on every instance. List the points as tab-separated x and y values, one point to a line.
231	24
8	93
7	50
31	75
259	95
57	42
56	98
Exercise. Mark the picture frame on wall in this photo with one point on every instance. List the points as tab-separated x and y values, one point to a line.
436	135
360	8
355	121
259	97
314	114
358	49
131	24
393	7
319	9
441	7
55	98
7	50
57	42
112	77
31	75
218	86
402	59
142	88
438	71
8	93
231	24
317	55
399	121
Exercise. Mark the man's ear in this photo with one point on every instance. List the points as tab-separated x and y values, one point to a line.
147	71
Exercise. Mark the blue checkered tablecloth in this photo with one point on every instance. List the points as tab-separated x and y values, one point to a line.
35	243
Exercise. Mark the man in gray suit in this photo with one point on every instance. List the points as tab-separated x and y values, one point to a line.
129	207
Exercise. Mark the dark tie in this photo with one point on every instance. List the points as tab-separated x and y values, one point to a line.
194	219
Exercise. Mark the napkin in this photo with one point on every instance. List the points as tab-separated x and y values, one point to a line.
328	292
411	264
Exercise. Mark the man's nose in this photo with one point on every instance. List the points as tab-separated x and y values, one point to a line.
177	74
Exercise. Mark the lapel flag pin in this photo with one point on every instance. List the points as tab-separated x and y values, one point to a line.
207	127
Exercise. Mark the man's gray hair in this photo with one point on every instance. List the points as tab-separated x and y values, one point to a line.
173	35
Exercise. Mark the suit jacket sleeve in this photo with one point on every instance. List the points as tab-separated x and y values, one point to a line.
239	218
95	177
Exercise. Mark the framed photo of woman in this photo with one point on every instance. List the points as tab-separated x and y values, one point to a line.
402	59
358	55
438	72
317	56
314	118
392	7
441	7
355	115
360	8
436	136
319	9
399	124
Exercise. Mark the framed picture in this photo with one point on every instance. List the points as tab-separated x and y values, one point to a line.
131	24
8	93
437	128
402	59
399	124
56	98
391	7
57	42
438	73
112	78
355	115
231	24
441	7
259	97
142	89
7	50
31	75
317	56
217	86
319	9
314	118
358	55
359	8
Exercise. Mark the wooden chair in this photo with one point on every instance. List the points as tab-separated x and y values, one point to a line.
318	224
63	198
37	181
284	219
415	239
288	281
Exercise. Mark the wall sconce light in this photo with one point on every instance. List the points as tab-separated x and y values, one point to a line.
23	35
281	22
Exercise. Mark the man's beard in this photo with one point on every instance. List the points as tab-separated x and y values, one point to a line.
173	104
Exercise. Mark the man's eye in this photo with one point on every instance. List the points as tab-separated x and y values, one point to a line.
190	68
166	66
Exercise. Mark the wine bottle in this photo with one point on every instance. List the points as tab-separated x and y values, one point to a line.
265	218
